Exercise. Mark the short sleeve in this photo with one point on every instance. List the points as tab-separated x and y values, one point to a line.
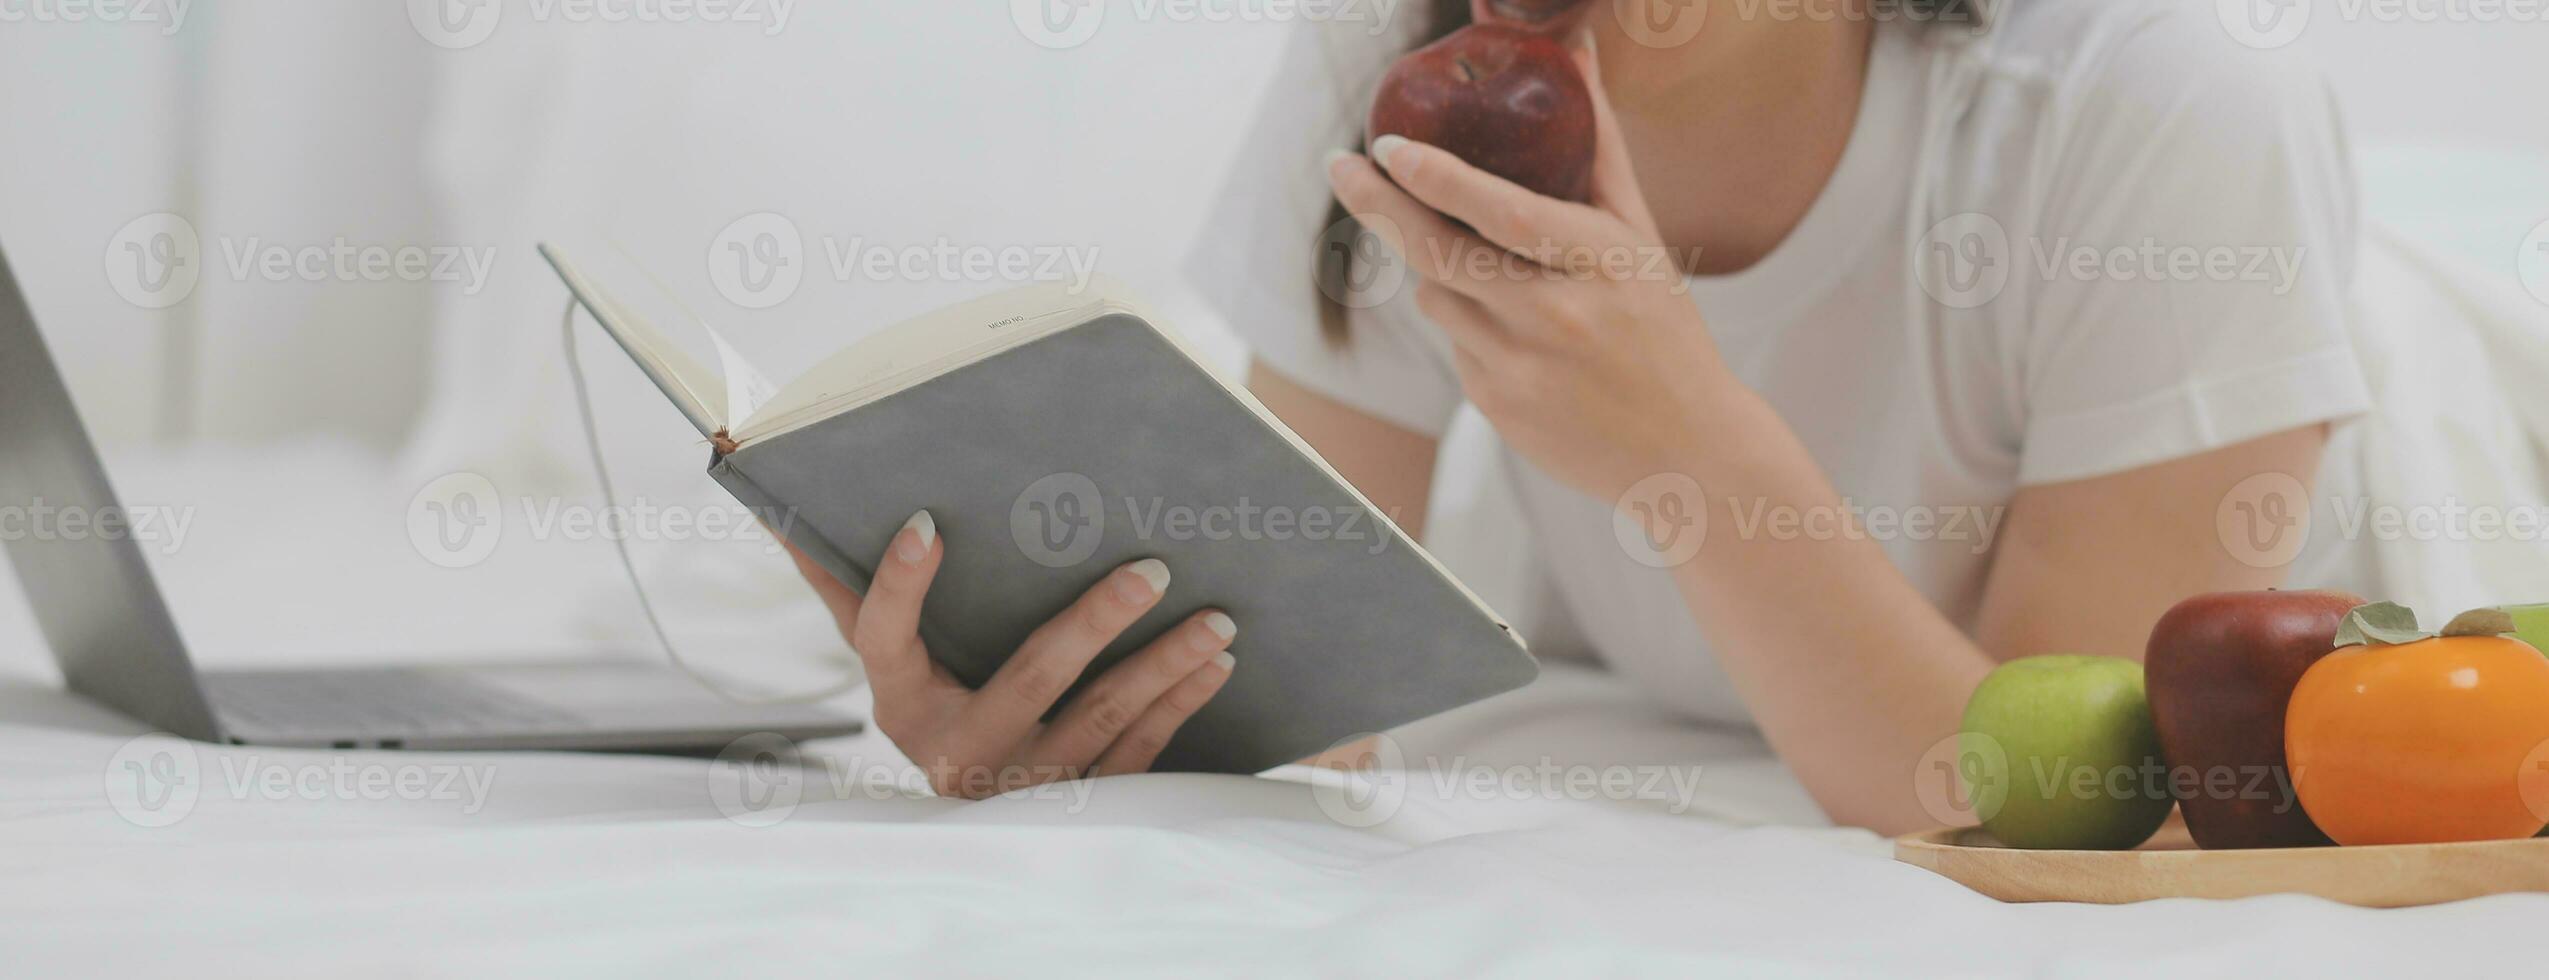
2191	258
1257	260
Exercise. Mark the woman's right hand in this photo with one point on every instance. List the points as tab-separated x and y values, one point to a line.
978	743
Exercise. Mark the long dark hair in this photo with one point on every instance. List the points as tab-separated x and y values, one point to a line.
1446	16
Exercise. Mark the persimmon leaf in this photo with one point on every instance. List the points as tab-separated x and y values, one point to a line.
2480	622
2379	622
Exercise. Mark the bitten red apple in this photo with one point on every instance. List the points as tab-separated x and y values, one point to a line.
2220	670
1530	12
1507	100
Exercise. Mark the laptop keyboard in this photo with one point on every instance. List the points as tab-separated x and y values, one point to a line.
385	702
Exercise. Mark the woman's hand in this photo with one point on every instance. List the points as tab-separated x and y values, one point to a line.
1570	324
978	743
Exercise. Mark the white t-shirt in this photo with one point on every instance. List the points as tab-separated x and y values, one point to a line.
1965	310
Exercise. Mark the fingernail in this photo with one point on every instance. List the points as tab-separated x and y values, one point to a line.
1328	163
1222	629
1226	661
1153	574
914	547
1385	150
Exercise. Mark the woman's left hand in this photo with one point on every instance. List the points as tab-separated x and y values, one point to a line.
1571	326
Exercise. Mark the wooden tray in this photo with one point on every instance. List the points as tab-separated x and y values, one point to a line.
2170	867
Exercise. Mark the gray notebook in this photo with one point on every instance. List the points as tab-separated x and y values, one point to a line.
1055	434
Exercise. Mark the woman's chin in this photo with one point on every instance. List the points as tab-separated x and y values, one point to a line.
1544	16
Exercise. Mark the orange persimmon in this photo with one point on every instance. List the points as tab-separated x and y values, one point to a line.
2402	737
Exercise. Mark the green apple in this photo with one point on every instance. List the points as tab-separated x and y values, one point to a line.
2531	624
2060	752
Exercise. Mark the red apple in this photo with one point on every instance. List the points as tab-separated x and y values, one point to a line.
1537	14
2220	669
1507	100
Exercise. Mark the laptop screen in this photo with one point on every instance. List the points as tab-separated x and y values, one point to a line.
85	579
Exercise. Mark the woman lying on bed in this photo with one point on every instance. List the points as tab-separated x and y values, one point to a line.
1989	315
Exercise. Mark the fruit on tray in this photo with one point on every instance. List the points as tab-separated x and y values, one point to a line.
2059	752
1507	100
2220	669
2405	737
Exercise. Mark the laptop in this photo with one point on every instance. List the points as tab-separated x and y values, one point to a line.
112	633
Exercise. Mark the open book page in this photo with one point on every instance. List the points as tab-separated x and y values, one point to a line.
643	317
926	346
735	401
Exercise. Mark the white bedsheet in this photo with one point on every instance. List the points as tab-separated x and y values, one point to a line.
628	864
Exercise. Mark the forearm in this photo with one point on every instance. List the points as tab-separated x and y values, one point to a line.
1849	670
1391	466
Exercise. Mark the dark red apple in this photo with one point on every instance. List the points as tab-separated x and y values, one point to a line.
2219	670
1507	100
1531	13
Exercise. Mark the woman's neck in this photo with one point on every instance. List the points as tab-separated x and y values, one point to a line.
1736	131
